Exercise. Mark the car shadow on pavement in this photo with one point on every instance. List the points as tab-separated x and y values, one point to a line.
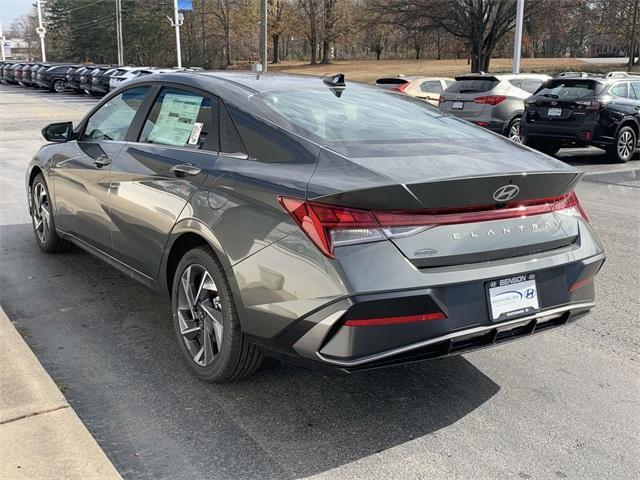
109	342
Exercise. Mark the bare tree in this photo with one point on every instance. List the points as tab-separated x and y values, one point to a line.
310	9
481	23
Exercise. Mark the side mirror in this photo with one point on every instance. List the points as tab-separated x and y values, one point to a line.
58	132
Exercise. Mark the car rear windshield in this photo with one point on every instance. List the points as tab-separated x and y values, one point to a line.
569	89
360	115
472	85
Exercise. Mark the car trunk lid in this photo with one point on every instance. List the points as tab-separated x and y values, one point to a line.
445	209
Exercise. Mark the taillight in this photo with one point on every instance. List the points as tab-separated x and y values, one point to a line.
329	226
401	88
593	105
490	99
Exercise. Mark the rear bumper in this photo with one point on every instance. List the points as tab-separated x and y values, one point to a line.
324	336
588	133
457	342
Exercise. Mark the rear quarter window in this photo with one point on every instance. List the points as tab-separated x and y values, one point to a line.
472	85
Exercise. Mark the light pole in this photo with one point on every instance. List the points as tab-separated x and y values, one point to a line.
517	42
2	40
176	22
263	35
119	32
41	32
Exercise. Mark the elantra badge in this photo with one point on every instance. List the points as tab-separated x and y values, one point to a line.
506	193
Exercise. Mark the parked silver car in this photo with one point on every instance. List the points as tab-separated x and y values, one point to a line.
495	102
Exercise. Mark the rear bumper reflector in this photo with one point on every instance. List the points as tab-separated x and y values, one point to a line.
580	283
374	322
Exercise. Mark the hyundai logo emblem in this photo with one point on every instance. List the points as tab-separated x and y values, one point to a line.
506	193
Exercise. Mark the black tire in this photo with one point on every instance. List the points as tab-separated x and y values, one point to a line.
58	86
237	357
548	147
514	126
624	146
48	240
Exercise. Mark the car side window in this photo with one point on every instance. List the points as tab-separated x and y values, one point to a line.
516	83
620	90
180	118
431	86
230	140
531	85
112	120
636	89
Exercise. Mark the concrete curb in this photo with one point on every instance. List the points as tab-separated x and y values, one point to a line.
41	437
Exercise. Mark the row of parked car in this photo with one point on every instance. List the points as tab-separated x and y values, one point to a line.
572	109
86	78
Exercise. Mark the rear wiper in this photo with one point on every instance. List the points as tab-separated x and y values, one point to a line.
469	91
549	95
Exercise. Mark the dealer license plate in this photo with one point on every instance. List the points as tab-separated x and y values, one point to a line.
457	105
513	297
554	112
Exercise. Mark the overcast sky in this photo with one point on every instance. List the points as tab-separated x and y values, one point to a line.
10	9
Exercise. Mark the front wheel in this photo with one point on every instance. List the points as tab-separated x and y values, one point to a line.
206	321
624	146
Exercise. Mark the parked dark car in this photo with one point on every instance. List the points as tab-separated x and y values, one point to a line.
10	73
30	76
328	221
73	76
579	112
4	68
34	73
100	80
18	71
25	74
54	78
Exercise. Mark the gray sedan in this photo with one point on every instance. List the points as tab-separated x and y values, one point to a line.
336	223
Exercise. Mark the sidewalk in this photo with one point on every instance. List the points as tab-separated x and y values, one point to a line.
41	437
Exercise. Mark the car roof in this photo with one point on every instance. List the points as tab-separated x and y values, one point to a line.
502	76
238	87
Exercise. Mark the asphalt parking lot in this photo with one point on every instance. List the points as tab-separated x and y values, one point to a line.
565	404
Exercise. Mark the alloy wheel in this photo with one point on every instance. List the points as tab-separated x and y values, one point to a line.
626	145
200	314
41	212
58	86
514	132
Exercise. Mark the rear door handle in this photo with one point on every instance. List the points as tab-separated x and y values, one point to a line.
101	161
185	169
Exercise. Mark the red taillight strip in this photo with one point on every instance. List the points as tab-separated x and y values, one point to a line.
480	213
318	219
580	283
375	322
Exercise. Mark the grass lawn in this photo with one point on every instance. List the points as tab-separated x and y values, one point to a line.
370	70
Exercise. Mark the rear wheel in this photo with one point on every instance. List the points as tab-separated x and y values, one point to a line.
206	321
624	146
59	86
513	132
42	219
